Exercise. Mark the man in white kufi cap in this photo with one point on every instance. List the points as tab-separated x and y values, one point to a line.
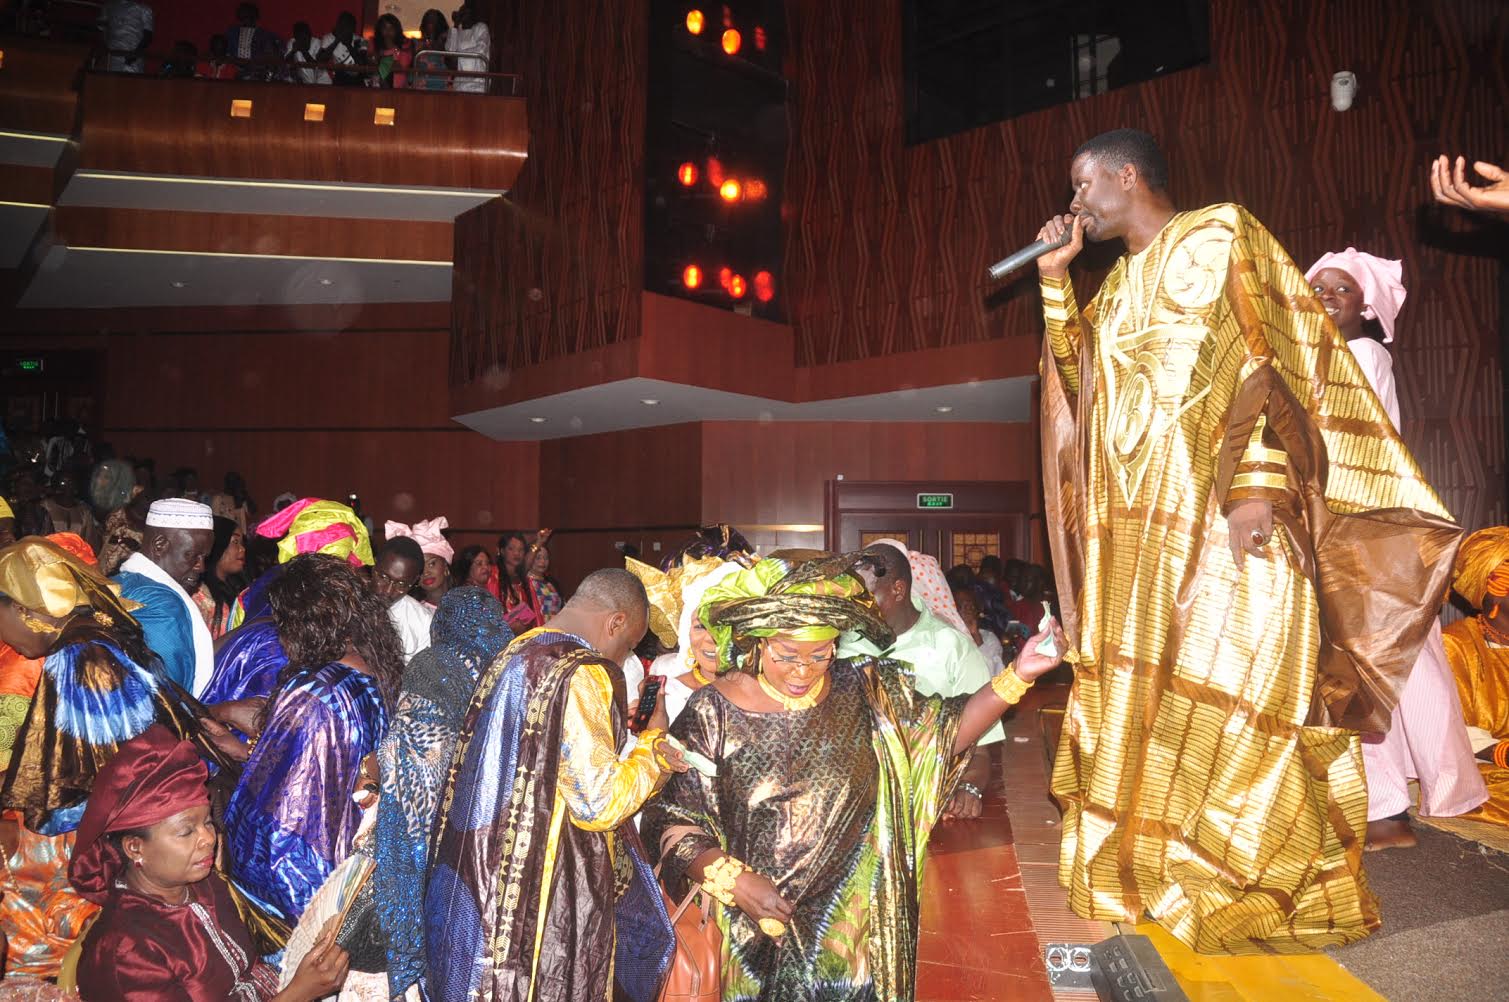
162	576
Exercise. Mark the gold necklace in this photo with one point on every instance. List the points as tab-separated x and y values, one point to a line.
806	702
701	678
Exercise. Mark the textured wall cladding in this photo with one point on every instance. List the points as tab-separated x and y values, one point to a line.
556	267
889	244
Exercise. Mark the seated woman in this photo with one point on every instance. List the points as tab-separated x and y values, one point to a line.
291	818
168	928
830	777
467	635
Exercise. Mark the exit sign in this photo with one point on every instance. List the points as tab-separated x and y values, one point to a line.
935	501
29	364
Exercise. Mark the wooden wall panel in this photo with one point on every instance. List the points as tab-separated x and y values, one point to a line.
318	413
39	86
151	125
556	268
888	244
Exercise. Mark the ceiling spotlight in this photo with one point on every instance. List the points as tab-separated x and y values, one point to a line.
691	277
730	190
179	285
764	286
695	21
755	190
326	281
537	420
649	401
732	41
687	174
715	172
945	409
737	287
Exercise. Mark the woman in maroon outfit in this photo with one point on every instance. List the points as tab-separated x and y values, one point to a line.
168	930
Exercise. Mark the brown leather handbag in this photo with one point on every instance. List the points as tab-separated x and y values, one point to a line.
696	968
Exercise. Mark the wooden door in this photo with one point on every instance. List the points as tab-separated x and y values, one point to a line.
982	517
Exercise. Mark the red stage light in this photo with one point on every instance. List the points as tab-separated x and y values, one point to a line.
730	190
764	286
714	172
737	287
695	21
732	41
687	174
755	190
760	38
725	276
691	277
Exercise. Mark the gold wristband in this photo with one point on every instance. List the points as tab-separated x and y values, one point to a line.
719	877
1008	685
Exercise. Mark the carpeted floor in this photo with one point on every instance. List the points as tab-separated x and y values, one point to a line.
1445	935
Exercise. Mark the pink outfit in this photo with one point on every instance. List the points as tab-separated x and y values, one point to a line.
1382	284
1428	737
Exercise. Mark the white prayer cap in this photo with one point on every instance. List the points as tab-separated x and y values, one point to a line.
180	513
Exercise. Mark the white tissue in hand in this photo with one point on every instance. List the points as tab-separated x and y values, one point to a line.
697	761
1048	648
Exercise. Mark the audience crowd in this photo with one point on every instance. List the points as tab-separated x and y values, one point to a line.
439	53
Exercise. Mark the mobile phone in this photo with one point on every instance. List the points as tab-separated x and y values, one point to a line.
647	700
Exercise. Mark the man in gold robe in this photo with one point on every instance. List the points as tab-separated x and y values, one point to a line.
1214	466
1478	651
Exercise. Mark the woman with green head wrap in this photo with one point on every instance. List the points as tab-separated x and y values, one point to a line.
830	775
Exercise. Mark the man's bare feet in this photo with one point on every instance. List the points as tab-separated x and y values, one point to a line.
1391	833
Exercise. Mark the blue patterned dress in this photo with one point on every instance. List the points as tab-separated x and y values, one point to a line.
292	818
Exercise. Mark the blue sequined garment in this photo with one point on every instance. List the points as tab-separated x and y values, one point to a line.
247	663
292	818
467	634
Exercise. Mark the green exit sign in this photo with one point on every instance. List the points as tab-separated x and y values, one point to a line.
935	500
29	364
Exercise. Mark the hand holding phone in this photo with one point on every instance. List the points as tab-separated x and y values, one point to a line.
649	698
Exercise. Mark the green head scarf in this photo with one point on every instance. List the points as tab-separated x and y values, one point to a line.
804	594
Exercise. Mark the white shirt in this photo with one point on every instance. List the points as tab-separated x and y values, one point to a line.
478	42
1378	366
412	621
312	75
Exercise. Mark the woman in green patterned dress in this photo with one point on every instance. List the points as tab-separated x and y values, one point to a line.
830	776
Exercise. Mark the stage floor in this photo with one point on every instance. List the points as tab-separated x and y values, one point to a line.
990	900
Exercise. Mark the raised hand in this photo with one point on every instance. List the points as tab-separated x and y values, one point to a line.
1450	186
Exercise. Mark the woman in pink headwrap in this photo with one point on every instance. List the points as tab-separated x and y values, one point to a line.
435	579
1427	739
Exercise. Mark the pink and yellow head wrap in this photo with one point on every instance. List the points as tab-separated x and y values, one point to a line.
1382	284
315	526
427	533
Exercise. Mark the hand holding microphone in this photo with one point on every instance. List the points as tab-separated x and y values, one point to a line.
1055	263
1057	242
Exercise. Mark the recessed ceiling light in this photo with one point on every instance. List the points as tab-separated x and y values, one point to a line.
537	420
326	281
649	401
944	409
179	285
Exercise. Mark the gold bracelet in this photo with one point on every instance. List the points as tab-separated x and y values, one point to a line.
719	877
1008	685
651	739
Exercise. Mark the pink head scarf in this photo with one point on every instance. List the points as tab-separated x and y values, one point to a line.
1382	284
427	534
930	588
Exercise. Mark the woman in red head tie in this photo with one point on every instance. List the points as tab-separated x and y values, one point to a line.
168	929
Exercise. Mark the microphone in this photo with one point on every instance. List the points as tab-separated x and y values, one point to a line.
1027	255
